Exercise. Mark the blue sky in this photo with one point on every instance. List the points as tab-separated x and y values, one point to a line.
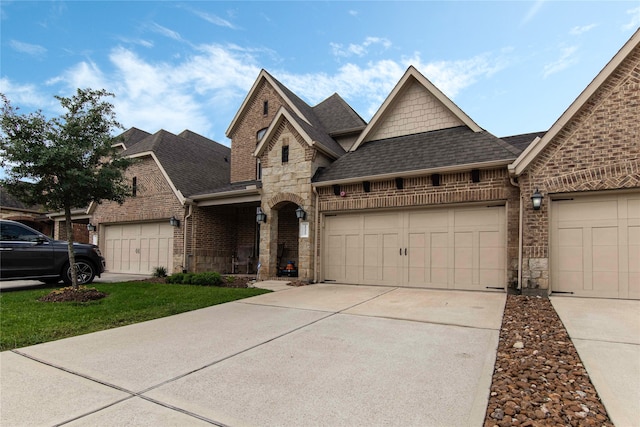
512	66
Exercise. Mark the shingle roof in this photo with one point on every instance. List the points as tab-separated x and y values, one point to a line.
132	136
195	164
337	116
521	142
8	200
456	146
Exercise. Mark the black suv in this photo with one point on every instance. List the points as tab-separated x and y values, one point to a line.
28	254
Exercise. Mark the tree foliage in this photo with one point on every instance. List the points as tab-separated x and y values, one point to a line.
65	162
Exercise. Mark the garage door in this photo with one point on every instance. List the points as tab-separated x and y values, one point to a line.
456	248
595	246
138	248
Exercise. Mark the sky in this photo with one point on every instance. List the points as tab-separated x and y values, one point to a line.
513	66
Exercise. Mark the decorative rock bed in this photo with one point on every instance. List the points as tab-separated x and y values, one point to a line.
538	378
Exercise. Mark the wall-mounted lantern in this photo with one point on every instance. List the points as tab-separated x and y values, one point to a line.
260	216
300	213
91	227
536	200
174	221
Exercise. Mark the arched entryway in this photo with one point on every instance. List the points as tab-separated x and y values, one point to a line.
287	259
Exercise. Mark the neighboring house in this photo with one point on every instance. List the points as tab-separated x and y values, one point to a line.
419	196
33	216
137	236
585	239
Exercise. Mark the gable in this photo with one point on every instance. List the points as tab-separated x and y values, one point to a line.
415	110
414	105
598	148
606	106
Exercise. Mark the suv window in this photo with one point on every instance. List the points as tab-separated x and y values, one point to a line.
15	233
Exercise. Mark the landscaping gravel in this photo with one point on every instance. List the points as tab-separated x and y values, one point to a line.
538	378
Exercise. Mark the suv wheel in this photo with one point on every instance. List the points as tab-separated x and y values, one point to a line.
86	272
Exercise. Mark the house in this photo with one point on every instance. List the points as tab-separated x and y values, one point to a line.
419	196
16	210
585	238
138	236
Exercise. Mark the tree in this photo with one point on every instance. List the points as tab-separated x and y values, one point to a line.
66	162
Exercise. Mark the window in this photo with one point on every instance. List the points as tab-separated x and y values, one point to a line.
265	108
285	153
258	170
134	186
260	134
15	233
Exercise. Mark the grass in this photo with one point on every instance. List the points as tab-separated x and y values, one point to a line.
26	321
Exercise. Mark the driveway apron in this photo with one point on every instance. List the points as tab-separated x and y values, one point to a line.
313	355
606	334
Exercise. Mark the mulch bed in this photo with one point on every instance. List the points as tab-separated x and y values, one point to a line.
539	379
82	294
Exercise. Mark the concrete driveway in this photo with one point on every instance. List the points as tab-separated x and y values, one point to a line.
314	355
606	334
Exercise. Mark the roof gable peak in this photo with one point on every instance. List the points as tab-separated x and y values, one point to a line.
412	77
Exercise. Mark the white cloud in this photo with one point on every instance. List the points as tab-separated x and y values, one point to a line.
533	11
157	28
634	23
353	12
578	30
358	49
28	48
213	19
567	58
25	96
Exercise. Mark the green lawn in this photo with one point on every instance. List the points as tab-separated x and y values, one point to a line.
26	321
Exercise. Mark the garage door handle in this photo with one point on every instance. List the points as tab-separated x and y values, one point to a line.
405	251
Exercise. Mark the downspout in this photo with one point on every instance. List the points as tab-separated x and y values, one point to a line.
520	232
315	237
187	217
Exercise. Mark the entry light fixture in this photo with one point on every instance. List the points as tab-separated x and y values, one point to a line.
536	200
174	221
260	216
300	213
91	227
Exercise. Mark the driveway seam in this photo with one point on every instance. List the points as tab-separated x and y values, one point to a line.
431	322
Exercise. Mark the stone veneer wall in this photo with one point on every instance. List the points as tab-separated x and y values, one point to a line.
284	183
599	149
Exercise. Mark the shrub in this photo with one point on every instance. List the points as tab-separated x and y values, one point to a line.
176	278
208	278
159	272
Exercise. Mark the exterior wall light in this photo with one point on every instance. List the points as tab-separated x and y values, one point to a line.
260	216
300	213
536	200
174	221
91	227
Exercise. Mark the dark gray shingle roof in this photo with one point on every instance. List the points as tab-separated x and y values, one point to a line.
132	136
337	116
428	150
521	142
194	164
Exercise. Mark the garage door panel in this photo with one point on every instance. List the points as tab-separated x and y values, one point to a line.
600	231
138	248
439	248
353	257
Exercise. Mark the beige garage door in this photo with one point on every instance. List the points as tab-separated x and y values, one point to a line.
456	248
595	246
138	248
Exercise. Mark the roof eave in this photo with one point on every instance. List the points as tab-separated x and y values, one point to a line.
536	147
413	173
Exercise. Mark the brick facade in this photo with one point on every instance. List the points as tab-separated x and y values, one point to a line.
154	201
244	136
454	188
597	150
